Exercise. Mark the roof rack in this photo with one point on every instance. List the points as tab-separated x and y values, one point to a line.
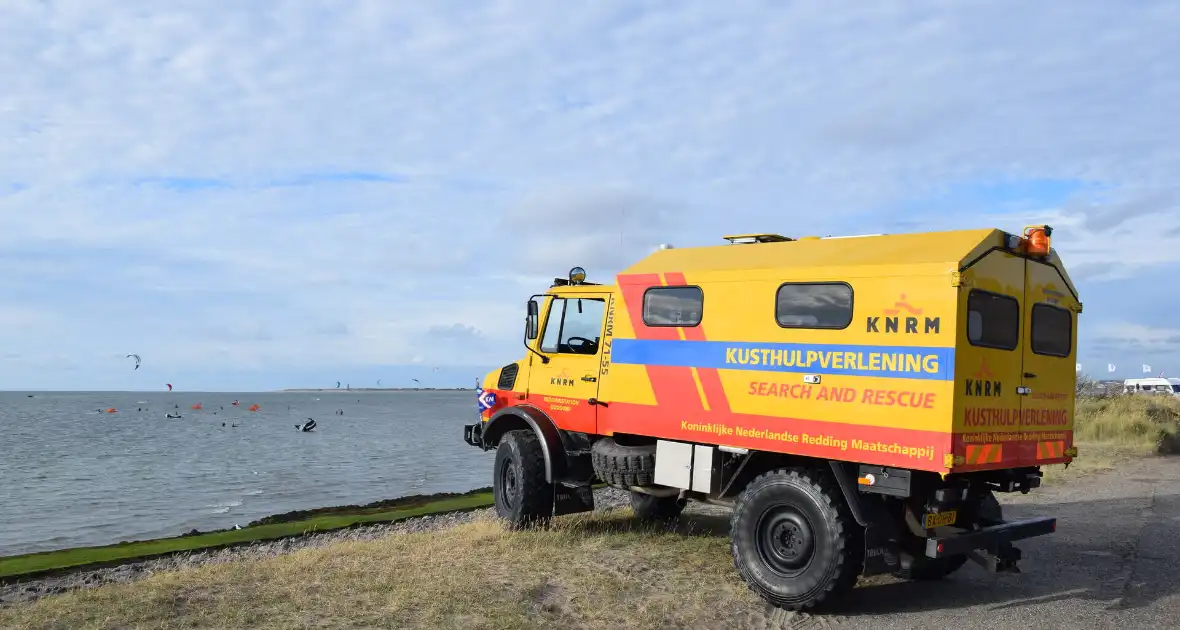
757	238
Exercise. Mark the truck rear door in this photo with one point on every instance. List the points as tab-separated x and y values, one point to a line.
1049	375
989	363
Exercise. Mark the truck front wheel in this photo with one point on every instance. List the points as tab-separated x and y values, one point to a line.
522	495
794	540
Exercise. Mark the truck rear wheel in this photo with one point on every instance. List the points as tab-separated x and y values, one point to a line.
650	508
522	495
794	540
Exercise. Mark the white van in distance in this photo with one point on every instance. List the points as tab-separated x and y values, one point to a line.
1157	385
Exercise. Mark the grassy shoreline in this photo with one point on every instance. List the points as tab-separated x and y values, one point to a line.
275	527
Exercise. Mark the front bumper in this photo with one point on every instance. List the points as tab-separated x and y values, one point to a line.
473	434
993	538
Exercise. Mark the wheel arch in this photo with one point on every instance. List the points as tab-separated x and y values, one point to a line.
522	417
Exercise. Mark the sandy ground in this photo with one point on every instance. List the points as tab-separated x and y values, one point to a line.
1113	563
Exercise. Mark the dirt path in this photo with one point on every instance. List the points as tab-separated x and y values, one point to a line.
1113	563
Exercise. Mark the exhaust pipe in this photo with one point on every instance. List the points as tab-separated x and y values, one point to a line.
657	491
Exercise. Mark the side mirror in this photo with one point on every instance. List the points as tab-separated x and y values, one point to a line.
531	320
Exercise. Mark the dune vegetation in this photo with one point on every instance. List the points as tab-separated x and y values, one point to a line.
1110	428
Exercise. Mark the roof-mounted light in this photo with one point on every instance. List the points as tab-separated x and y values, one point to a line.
1036	240
577	275
1013	242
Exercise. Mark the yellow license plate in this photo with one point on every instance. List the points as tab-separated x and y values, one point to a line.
941	519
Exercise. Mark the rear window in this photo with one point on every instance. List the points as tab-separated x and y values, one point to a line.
1052	330
826	305
673	306
993	320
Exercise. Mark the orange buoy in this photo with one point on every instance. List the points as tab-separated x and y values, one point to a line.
111	410
254	407
197	406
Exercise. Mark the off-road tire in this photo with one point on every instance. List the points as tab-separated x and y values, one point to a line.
794	540
623	466
926	569
649	508
523	498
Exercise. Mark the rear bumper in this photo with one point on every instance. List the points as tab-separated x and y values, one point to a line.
990	538
473	434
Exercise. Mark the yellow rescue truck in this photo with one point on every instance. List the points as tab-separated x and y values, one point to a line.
857	401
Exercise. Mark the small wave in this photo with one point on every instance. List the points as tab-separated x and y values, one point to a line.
222	507
254	493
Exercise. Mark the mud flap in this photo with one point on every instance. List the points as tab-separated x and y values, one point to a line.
882	549
569	498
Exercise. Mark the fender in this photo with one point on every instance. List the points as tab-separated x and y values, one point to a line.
524	416
851	492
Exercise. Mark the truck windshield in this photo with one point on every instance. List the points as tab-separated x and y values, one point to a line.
574	326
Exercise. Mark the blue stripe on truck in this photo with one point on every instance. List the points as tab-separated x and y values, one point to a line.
910	362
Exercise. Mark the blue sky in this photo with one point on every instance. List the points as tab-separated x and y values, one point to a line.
256	196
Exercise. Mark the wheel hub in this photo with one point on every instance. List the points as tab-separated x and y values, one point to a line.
509	482
786	541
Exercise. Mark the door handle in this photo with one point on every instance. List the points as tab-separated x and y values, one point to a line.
1029	375
589	379
595	401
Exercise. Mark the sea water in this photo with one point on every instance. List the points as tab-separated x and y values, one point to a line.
72	474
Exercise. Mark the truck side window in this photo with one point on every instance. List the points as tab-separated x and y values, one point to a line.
819	305
1052	330
993	320
574	326
673	306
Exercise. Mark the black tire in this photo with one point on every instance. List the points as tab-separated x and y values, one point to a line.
522	495
623	466
649	508
794	540
926	569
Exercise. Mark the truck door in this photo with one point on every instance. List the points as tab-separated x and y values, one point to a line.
572	340
990	363
1049	377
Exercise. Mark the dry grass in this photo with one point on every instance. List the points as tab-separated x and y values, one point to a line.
1110	429
585	572
1143	424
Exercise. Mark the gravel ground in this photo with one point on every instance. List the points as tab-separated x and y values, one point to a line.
604	499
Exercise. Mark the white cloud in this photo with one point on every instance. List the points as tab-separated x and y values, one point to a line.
514	135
